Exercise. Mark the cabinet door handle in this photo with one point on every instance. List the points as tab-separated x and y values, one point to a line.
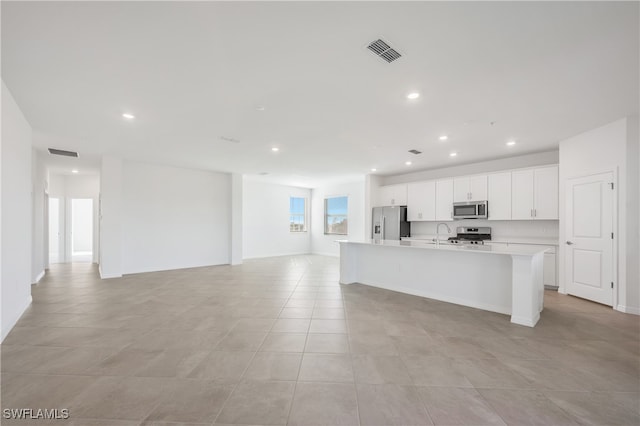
569	243
531	212
535	212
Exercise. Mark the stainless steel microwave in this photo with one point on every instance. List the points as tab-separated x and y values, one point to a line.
470	210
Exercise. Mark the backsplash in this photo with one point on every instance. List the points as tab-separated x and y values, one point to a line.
499	228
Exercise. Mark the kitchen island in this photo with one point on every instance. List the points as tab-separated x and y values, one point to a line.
507	280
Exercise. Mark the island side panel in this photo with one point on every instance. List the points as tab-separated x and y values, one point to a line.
348	266
528	289
472	279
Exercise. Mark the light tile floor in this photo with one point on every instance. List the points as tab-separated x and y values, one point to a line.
279	341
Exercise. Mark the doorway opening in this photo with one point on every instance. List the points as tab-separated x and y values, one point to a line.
54	231
81	230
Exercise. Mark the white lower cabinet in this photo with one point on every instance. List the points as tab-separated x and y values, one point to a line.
550	270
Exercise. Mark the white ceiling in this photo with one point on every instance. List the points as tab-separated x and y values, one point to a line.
193	72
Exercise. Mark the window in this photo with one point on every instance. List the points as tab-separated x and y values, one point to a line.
335	215
297	214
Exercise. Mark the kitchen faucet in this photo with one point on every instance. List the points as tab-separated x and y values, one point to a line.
438	231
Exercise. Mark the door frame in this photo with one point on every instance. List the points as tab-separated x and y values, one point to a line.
614	226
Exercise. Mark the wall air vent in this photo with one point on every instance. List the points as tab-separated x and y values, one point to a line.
63	152
383	50
415	151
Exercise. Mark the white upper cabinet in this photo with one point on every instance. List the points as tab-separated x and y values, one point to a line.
444	199
470	188
534	194
545	204
499	196
522	195
392	195
421	201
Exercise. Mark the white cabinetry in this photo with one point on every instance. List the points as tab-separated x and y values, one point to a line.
444	199
392	195
545	185
421	201
550	272
499	196
534	194
470	188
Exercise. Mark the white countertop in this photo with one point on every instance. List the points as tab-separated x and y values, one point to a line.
486	249
507	240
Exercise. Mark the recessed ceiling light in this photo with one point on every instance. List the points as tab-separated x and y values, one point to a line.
408	163
443	137
128	116
414	95
511	143
74	171
453	154
275	149
260	108
374	170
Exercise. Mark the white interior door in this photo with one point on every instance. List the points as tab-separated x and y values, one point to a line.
81	229
589	238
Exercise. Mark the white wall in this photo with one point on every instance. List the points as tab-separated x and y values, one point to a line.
325	244
237	188
174	218
600	150
265	219
16	208
39	252
633	212
527	160
110	213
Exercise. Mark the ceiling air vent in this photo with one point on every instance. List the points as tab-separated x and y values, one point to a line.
415	151
383	50
63	152
228	139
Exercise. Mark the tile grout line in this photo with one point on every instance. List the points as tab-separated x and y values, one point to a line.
295	384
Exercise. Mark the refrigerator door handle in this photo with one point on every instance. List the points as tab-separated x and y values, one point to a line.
382	231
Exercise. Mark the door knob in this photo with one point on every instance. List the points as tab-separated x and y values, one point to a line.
569	243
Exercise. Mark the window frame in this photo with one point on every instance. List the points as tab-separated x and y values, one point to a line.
327	215
304	215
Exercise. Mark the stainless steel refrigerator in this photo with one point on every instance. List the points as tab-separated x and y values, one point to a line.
390	223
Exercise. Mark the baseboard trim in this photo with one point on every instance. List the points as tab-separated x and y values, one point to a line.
264	256
39	277
105	276
6	328
326	254
628	309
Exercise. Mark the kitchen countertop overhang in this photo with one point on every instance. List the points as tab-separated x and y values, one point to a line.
522	250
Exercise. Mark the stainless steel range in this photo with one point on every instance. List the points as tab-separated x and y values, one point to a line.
467	235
